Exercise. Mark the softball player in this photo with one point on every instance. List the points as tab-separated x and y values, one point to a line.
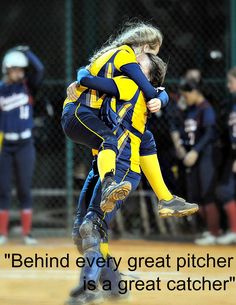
96	223
129	127
118	58
198	139
16	122
227	188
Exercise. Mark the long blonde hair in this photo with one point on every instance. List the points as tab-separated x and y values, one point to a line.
135	34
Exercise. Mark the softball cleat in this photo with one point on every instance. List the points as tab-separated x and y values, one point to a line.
112	192
177	207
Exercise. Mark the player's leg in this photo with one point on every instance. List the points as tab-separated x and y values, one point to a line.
99	221
207	191
83	203
84	127
92	234
24	160
226	195
6	163
169	205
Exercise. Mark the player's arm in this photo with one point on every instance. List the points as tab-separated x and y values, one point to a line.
126	63
35	78
106	85
121	87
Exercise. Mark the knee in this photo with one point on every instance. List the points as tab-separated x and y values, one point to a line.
224	193
110	142
25	199
4	199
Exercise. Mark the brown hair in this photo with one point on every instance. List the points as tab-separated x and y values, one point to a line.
134	35
157	71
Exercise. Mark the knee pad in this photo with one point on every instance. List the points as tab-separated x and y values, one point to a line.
90	237
91	247
76	236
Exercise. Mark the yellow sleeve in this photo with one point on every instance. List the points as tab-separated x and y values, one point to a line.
126	87
124	57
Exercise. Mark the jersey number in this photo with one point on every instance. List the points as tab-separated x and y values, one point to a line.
24	112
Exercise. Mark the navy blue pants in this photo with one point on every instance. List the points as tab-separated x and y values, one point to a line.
82	125
16	158
201	178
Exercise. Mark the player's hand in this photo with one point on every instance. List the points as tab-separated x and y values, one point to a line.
71	91
180	152
191	158
154	105
234	167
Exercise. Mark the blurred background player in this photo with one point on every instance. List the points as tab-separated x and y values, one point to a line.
226	191
17	155
198	142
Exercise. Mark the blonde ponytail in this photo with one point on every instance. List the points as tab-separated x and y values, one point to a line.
135	35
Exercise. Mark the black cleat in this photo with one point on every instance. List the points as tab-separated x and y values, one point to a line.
177	207
112	192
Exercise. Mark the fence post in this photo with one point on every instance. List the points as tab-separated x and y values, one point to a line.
69	78
233	31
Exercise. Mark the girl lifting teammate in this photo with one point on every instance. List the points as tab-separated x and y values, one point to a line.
116	58
134	141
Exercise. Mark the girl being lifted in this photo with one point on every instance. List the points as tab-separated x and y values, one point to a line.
116	58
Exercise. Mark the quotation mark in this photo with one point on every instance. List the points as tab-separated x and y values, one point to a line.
7	255
232	278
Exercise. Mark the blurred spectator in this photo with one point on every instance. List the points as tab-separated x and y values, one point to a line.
226	191
193	74
17	153
198	148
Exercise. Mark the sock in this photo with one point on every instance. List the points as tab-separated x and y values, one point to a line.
151	169
212	218
4	221
106	162
230	208
26	221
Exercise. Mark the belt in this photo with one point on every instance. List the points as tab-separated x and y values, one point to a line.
14	136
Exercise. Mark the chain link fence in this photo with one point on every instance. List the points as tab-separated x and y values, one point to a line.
64	33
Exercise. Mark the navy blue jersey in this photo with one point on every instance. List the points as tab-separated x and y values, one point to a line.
232	126
16	110
199	126
16	113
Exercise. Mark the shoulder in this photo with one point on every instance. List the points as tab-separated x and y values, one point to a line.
126	48
126	87
124	55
